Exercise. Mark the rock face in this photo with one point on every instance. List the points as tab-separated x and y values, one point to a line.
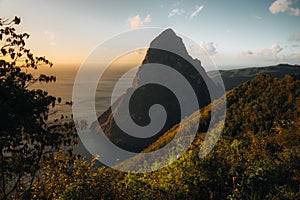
167	49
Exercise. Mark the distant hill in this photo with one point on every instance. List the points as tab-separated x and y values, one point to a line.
235	77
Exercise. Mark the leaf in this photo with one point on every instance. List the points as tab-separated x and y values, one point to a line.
3	51
17	20
12	55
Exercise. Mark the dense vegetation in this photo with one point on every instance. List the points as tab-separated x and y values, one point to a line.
26	137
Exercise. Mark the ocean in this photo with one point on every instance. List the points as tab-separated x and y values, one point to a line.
63	88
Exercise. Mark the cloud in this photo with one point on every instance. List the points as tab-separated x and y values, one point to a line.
208	48
245	53
135	22
295	37
147	19
284	6
175	11
271	52
203	49
197	10
50	37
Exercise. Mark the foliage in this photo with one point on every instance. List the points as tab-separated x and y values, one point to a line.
67	177
26	136
258	104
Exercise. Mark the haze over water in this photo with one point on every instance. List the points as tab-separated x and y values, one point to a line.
63	88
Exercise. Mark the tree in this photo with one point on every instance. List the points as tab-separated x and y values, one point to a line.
26	135
69	177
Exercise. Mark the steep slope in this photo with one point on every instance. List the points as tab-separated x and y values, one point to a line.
257	156
257	106
167	49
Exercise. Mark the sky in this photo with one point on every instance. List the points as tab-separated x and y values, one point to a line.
235	33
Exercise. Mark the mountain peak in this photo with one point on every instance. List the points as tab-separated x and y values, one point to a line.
166	49
169	41
168	32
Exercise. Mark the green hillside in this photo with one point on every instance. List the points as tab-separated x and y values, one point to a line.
257	156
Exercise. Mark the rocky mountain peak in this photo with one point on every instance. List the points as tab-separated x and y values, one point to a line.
166	49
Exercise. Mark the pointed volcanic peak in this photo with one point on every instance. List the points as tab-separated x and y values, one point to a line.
169	50
169	41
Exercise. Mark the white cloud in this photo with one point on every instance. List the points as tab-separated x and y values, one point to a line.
175	11
203	50
271	52
208	48
245	53
147	19
284	6
268	54
197	10
295	37
50	37
135	22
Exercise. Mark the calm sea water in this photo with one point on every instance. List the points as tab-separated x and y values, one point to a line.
63	88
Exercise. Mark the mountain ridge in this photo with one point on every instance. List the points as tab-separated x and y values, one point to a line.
234	77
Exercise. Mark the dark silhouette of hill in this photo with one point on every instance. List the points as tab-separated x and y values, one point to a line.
166	49
235	77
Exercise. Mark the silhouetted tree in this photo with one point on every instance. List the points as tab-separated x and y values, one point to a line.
25	135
